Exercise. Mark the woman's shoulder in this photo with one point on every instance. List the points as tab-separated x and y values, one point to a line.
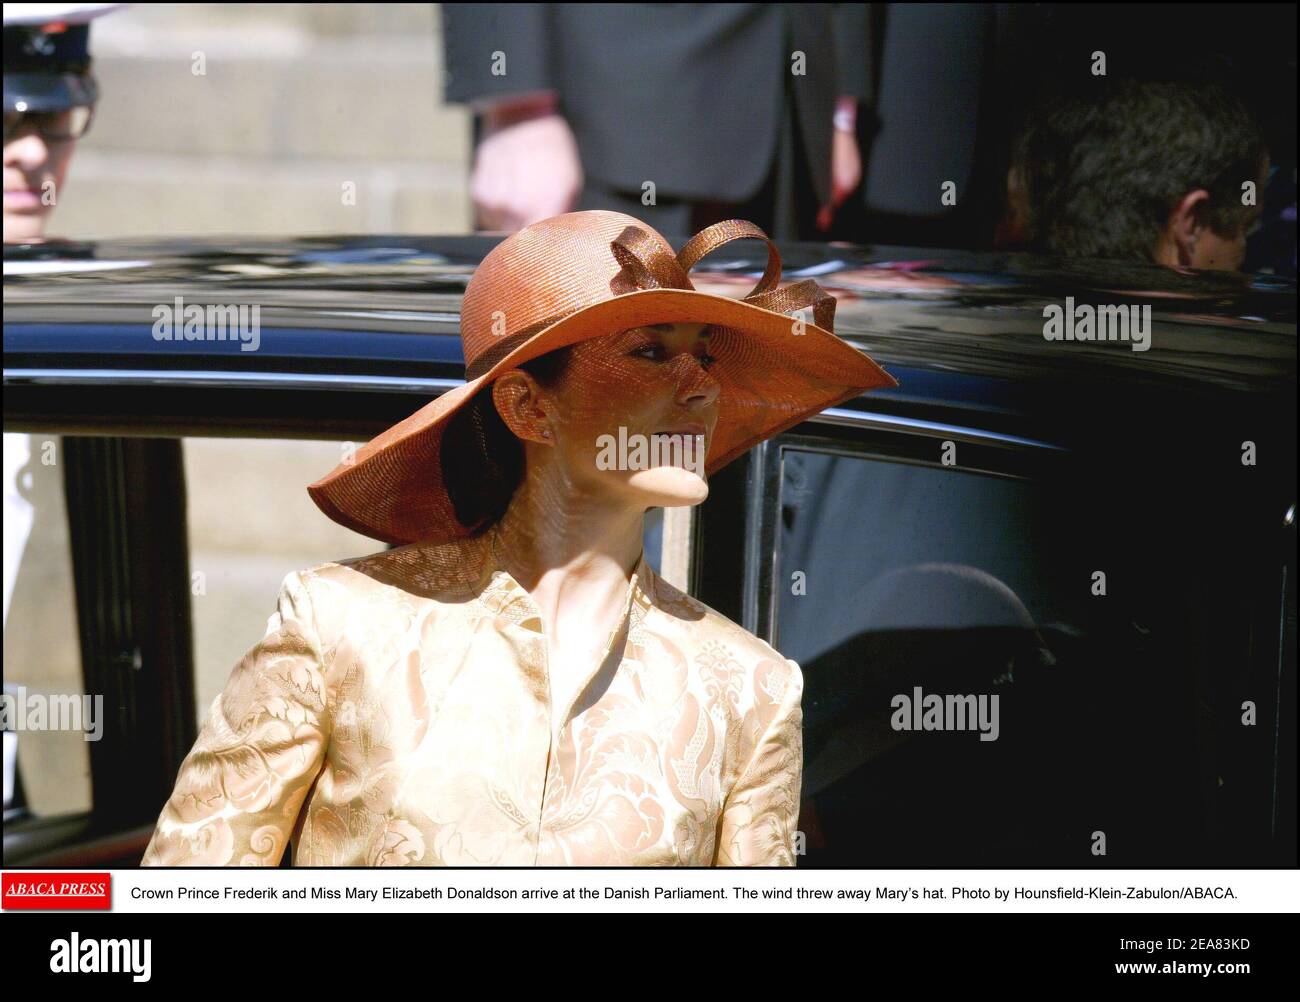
446	572
713	634
379	594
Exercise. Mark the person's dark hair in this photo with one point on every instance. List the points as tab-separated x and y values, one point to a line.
1101	171
476	438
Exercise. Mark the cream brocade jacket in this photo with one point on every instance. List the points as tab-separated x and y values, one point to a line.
398	713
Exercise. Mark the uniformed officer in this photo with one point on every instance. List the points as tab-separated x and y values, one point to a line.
50	100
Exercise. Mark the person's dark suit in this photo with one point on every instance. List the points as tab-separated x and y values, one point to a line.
698	98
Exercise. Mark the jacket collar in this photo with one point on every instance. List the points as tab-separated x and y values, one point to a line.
502	595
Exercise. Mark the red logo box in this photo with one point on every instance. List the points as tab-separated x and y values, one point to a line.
56	890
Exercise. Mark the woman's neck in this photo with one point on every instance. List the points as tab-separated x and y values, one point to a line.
573	552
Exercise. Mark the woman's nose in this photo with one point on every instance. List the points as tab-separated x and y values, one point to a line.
27	152
698	388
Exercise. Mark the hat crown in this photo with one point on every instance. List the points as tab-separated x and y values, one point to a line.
541	274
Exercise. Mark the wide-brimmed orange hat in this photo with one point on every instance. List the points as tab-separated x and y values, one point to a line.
583	275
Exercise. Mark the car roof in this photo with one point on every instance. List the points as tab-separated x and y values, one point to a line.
393	301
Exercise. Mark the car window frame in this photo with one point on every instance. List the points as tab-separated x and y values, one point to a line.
874	436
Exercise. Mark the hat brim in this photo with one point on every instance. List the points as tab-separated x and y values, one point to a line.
776	371
49	92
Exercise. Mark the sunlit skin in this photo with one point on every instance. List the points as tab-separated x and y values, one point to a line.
33	166
572	533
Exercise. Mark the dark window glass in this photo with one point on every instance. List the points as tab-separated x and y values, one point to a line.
1115	715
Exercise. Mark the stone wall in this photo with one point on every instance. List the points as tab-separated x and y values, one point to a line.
293	103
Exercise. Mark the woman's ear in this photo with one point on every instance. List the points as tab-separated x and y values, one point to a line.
519	401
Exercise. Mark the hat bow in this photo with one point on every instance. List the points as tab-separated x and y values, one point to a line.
646	265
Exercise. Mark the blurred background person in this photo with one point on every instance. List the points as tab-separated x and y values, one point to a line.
50	97
1101	75
952	84
932	135
1172	172
679	114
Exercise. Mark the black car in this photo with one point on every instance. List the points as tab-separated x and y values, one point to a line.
1042	592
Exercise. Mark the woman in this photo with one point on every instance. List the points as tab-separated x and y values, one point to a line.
513	685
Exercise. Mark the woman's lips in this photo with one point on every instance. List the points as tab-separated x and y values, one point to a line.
21	199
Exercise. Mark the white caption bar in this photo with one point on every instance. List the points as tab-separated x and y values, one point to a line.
732	890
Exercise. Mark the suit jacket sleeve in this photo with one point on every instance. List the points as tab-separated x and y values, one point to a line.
853	51
474	34
761	813
260	749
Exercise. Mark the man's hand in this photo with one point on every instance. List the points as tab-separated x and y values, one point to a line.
527	166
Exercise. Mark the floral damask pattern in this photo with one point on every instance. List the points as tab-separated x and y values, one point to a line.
398	713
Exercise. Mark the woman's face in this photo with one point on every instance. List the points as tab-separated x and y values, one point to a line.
634	412
34	169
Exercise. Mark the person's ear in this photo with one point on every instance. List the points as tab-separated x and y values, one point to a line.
519	401
1185	226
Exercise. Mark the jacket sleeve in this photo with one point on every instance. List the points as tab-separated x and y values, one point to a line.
493	51
854	58
761	812
239	790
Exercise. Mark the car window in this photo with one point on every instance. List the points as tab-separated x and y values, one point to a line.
900	583
251	522
895	577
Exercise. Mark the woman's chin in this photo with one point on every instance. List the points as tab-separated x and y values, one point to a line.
669	487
